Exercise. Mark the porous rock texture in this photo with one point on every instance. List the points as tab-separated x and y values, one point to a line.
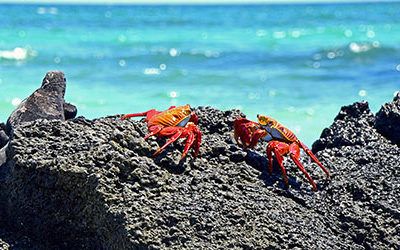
388	120
94	184
47	102
364	194
3	135
3	142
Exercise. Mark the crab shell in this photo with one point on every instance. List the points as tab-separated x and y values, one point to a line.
174	117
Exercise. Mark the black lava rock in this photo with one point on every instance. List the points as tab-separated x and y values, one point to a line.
3	141
388	120
352	127
47	102
365	166
94	184
3	138
70	111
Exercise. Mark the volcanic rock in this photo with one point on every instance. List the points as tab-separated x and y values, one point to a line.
3	136
70	111
364	192
3	142
47	102
94	184
388	120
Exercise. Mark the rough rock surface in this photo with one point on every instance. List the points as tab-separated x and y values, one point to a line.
15	240
364	194
47	102
3	136
70	111
388	120
3	142
93	184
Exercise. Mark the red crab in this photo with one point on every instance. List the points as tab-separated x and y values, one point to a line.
175	122
281	142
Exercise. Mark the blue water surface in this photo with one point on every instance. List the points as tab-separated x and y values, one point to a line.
296	63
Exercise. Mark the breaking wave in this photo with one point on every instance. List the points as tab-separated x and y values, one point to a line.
18	54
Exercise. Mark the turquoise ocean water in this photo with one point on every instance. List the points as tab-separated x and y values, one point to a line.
296	63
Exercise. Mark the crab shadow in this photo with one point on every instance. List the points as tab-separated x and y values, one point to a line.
260	163
167	160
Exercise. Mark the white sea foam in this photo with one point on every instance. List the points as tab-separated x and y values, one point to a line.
15	54
279	34
359	48
16	101
151	71
211	53
47	10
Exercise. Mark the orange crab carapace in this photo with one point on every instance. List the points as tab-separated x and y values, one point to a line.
175	123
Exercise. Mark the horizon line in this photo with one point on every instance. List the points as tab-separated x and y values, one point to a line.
192	2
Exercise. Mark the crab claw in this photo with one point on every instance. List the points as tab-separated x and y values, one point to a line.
191	132
194	118
247	133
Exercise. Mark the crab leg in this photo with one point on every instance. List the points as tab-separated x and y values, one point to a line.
302	169
241	135
308	151
260	133
153	131
269	154
189	143
148	113
198	143
294	153
278	155
171	140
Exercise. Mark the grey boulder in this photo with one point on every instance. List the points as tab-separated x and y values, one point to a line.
47	102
